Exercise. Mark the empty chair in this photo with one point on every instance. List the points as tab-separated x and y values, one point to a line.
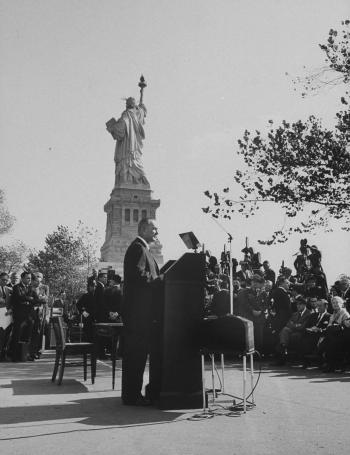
64	349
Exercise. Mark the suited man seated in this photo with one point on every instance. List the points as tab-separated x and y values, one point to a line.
315	329
291	334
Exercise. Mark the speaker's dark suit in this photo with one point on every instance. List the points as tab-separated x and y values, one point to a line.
140	273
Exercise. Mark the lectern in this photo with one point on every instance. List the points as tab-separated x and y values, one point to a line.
175	364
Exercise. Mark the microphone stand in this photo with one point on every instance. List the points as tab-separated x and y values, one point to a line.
230	238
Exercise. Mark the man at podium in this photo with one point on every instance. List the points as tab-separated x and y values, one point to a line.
141	273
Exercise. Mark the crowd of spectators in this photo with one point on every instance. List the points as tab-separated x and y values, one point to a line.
23	303
295	316
101	303
26	308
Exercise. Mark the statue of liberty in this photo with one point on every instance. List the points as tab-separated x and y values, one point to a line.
129	135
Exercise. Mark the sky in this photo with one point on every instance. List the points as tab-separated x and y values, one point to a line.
213	69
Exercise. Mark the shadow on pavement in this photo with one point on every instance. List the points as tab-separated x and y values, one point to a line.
315	375
94	411
43	369
44	387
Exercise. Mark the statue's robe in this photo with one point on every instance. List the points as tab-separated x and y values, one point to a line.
129	133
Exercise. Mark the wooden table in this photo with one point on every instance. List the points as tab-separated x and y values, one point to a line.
112	331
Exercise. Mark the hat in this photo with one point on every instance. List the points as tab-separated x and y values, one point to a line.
300	300
258	278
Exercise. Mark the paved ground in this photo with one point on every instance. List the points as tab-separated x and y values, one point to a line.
297	411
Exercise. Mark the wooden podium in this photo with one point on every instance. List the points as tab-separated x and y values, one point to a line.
175	363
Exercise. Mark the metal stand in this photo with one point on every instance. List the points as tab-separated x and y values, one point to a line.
252	375
222	373
205	407
244	362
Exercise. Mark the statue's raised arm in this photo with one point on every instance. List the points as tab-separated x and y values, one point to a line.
129	135
142	85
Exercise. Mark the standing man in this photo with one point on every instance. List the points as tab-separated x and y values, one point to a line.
113	300
23	301
86	306
251	305
99	311
141	274
281	305
100	294
5	314
42	293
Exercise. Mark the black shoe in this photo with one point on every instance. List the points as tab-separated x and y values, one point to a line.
141	401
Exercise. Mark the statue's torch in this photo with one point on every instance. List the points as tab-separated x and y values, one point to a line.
142	85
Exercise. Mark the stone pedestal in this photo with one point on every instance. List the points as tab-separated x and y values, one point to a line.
128	204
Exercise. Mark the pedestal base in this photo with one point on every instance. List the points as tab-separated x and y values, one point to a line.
127	205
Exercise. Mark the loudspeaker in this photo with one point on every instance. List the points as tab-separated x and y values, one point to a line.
227	334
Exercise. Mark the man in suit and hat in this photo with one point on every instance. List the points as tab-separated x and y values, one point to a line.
141	274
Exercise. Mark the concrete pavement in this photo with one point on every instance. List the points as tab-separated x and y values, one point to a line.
297	411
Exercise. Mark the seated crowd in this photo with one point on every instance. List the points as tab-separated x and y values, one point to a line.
294	316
